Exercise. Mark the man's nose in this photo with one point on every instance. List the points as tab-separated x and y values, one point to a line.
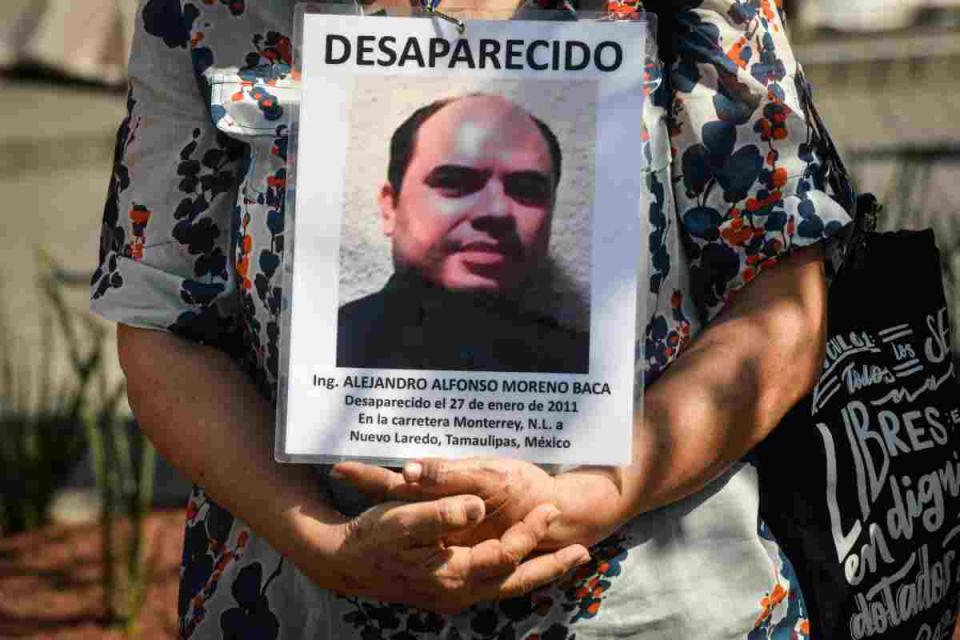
494	215
495	203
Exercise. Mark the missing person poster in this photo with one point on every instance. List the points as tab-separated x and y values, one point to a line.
466	241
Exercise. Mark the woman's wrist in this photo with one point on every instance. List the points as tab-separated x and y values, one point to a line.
591	505
312	543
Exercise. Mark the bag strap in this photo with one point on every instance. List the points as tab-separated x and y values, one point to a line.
863	208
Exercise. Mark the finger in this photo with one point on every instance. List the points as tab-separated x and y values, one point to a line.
373	481
432	477
418	563
501	556
532	574
426	523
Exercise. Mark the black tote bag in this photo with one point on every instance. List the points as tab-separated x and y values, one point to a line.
860	482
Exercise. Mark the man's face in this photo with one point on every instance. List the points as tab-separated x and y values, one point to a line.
474	208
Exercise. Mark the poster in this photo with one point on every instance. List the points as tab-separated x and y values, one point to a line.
462	276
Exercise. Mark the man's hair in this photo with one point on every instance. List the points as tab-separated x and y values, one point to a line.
404	140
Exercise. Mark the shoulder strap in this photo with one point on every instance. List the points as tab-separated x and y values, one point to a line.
863	208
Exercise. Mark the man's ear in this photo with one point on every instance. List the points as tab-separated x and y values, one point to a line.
388	209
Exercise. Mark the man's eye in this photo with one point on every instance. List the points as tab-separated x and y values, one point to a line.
457	182
529	188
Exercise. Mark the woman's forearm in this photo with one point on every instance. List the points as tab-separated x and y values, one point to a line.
728	391
206	418
722	396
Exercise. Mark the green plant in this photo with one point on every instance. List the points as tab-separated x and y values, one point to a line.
51	417
126	491
123	470
40	420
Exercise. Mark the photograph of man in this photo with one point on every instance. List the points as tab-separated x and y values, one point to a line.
467	208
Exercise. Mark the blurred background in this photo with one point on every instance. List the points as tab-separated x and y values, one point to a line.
82	491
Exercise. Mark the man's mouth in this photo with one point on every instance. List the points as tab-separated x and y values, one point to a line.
479	250
485	253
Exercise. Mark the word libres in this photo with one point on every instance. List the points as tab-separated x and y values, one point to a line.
486	53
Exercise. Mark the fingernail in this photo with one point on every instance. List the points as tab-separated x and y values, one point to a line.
552	514
412	471
582	556
335	474
474	509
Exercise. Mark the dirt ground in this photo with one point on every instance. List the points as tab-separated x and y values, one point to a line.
50	582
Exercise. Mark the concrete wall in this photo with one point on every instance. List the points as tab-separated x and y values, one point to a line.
891	102
89	39
56	148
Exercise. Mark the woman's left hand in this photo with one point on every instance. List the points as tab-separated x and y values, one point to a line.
589	500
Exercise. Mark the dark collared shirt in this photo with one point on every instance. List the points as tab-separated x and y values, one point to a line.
413	324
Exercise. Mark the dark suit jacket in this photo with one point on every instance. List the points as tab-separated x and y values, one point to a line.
413	324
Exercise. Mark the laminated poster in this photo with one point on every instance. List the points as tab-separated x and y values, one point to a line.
465	256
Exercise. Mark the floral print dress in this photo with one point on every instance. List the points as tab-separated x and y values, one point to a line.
192	240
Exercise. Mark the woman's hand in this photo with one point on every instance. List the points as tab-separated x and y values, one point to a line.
588	499
393	552
203	414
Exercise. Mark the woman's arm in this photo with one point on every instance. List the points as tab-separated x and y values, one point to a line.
712	406
727	391
733	385
204	416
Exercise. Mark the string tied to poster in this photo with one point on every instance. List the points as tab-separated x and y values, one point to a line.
431	7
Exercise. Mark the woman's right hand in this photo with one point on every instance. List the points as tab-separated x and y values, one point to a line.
203	414
394	552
